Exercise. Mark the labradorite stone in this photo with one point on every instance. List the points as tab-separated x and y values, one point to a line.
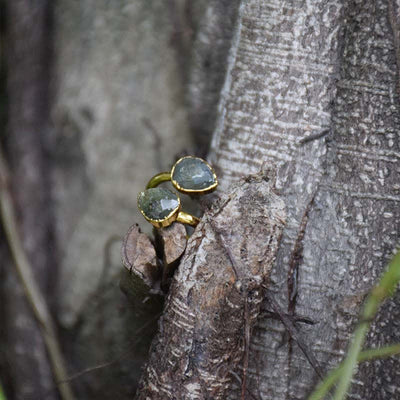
193	174
157	203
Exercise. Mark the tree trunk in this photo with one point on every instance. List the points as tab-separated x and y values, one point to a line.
306	88
312	89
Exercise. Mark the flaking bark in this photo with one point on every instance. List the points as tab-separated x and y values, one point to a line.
215	296
149	266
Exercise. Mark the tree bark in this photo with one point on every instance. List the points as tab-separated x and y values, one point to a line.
309	87
215	296
313	89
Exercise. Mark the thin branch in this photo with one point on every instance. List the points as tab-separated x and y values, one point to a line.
31	289
314	136
237	377
247	347
286	320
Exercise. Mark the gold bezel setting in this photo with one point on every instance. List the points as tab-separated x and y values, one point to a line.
209	189
166	221
177	214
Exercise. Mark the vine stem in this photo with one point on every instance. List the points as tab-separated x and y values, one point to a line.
385	288
365	355
32	292
344	373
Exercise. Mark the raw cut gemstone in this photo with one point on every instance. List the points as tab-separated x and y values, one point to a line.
192	173
157	203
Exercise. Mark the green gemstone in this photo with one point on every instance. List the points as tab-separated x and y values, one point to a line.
157	203
192	173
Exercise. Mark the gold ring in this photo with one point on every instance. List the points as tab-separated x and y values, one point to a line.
189	175
161	207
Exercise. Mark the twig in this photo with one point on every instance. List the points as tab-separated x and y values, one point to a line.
247	348
293	333
26	276
297	256
314	136
247	327
237	377
295	318
224	245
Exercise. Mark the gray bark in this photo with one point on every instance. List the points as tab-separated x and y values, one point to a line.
214	299
310	87
299	68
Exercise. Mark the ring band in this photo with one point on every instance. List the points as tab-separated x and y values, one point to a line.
161	207
159	178
190	175
188	219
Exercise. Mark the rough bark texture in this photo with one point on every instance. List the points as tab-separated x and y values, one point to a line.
298	69
173	241
139	256
215	296
308	86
